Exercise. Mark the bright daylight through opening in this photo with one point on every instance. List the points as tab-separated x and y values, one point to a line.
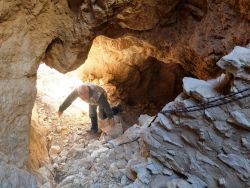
53	87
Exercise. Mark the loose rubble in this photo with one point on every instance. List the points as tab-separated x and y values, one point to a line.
204	148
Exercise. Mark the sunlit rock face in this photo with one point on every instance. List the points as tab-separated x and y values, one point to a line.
58	32
131	65
195	33
30	32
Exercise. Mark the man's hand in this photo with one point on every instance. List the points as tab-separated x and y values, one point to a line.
59	114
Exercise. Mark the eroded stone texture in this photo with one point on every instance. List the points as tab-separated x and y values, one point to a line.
31	32
197	149
195	33
11	176
129	64
196	146
38	153
145	15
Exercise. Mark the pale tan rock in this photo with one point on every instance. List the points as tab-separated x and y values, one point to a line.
31	32
54	150
112	131
38	153
61	33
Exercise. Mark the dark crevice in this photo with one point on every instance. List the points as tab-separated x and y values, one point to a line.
74	5
56	40
157	84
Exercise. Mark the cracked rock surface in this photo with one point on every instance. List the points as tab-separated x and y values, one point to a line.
195	34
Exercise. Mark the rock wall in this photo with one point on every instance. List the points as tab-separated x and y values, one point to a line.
38	152
27	28
133	68
60	33
196	33
32	31
210	147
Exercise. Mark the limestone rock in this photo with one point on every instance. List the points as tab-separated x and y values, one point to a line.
205	159
167	172
111	131
222	182
178	183
165	121
240	119
154	166
196	182
137	183
44	178
223	128
11	176
245	143
142	173
191	147
238	163
98	152
238	58
159	181
130	135
54	150
61	32
237	62
199	89
124	180
145	120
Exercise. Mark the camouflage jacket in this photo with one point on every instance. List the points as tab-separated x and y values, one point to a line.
95	92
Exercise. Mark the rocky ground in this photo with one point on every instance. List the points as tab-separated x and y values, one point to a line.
207	147
78	158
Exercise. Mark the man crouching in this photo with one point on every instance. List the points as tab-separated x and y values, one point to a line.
95	96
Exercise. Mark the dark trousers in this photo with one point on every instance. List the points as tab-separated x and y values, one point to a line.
105	111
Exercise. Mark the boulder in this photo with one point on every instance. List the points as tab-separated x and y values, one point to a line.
199	89
237	62
130	135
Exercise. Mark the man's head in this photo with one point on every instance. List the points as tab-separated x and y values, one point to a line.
83	92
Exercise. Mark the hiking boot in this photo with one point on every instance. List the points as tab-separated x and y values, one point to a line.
119	106
93	131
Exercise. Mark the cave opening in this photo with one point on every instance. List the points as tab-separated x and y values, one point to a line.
132	75
130	70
